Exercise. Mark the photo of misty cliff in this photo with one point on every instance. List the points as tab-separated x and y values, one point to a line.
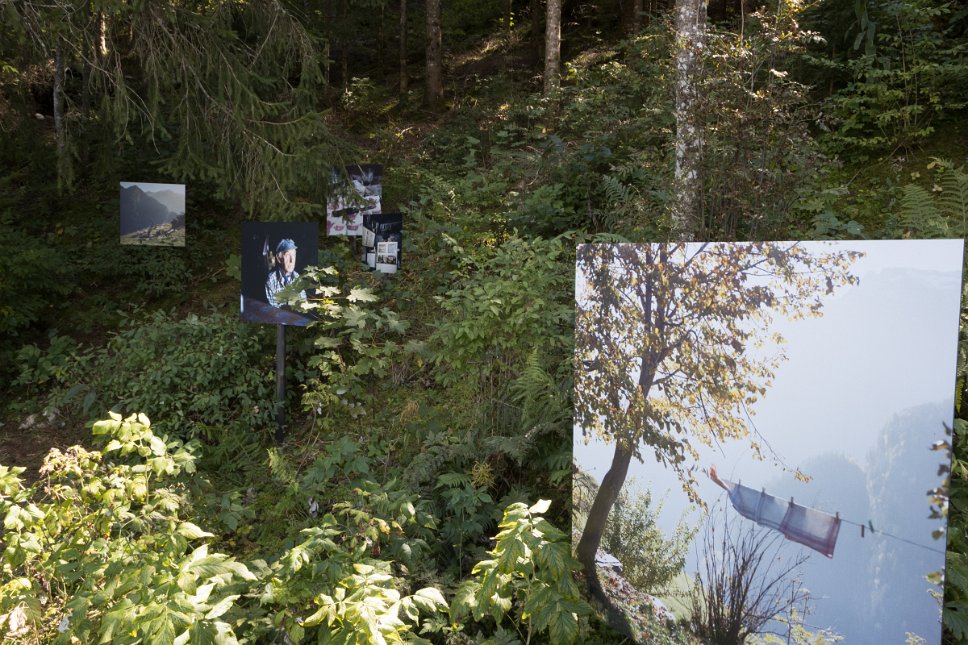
152	214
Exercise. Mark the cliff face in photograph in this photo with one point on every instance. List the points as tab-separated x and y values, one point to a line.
140	210
901	469
171	199
889	490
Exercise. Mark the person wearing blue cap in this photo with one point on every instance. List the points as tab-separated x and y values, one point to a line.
284	272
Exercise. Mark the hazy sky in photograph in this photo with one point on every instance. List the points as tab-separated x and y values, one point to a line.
153	188
881	347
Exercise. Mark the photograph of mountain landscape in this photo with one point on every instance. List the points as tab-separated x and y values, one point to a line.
762	436
152	214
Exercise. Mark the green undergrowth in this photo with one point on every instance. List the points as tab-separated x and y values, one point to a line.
429	410
115	544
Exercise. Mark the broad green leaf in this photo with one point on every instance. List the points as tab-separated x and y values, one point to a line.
541	507
107	426
465	600
158	446
160	631
193	532
429	599
326	612
202	593
240	570
563	627
955	618
221	607
361	294
409	609
552	557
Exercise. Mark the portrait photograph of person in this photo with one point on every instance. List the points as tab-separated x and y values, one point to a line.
274	255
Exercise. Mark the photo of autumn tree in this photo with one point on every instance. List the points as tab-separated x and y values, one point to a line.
742	439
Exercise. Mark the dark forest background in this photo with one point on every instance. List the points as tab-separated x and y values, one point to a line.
428	411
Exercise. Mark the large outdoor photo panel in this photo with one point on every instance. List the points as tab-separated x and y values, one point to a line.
761	431
354	192
152	214
274	255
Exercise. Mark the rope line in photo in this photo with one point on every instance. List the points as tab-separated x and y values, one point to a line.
874	531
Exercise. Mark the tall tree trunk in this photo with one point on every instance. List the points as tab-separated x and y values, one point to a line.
608	491
381	37
591	537
404	81
653	317
637	8
508	17
60	134
552	47
102	26
435	86
631	16
537	30
344	56
691	31
90	48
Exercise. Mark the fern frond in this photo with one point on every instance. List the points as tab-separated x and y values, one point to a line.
539	396
919	213
616	193
953	200
610	238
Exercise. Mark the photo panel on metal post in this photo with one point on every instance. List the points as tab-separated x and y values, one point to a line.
274	255
767	423
152	214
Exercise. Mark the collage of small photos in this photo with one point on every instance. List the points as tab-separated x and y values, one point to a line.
355	209
274	254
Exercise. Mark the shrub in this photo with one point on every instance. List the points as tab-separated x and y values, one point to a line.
202	373
529	578
101	547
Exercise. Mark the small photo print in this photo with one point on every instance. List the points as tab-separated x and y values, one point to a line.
386	257
353	194
274	256
382	238
152	214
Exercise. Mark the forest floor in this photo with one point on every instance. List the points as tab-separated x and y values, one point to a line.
649	619
26	439
162	235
